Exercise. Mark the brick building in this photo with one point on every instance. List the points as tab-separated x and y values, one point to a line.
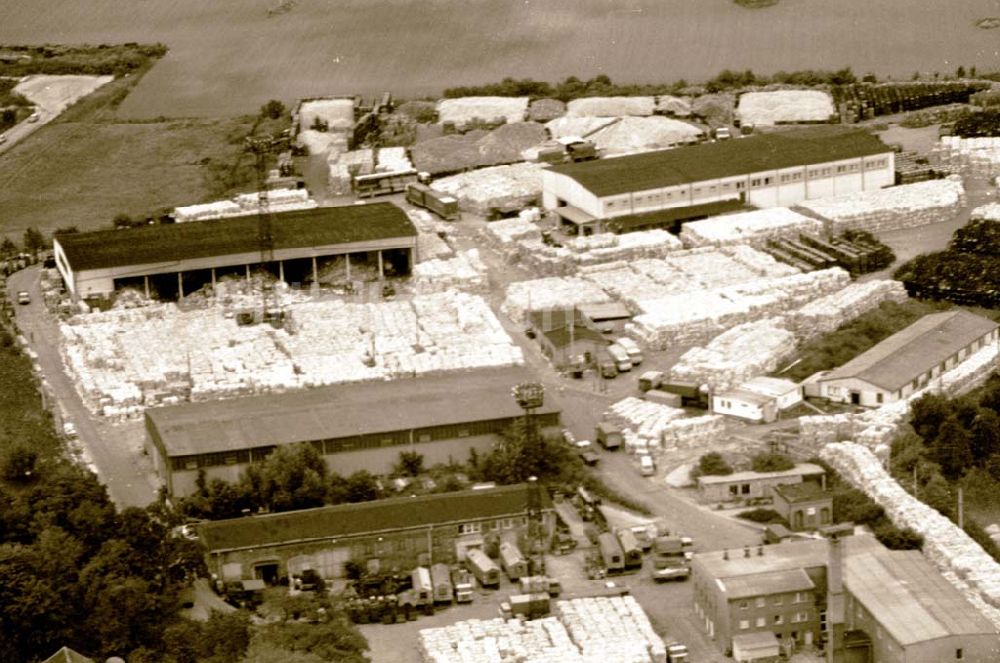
399	532
805	506
753	485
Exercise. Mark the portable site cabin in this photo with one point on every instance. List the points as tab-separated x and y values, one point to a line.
611	552
512	561
441	581
483	568
630	548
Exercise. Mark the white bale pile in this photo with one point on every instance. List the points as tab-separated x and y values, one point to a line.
904	206
611	106
694	432
735	356
128	359
499	641
962	561
465	110
970	373
759	262
980	157
622	281
642	422
548	294
322	142
753	228
430	244
207	211
643	134
575	127
508	187
668	105
608	247
825	314
785	107
338	114
611	629
989	212
278	200
466	271
393	160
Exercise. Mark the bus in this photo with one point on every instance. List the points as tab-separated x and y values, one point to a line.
620	356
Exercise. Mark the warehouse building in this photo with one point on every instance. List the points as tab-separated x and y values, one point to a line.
897	608
754	485
400	532
181	257
441	417
667	187
909	360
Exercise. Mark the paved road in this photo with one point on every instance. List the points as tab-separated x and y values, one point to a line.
24	129
112	450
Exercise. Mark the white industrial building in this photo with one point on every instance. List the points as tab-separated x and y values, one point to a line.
909	360
766	170
759	399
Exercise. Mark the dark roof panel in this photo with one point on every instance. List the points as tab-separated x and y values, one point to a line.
321	226
380	515
740	156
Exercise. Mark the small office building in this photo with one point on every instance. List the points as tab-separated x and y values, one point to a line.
804	506
754	485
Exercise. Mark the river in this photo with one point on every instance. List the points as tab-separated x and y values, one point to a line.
229	56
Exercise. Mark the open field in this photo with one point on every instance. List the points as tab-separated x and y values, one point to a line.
229	57
86	166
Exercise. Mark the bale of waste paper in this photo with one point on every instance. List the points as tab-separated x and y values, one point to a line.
543	110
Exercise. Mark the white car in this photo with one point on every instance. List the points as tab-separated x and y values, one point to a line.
34	117
23	298
69	430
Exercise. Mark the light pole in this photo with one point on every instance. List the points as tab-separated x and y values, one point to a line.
530	396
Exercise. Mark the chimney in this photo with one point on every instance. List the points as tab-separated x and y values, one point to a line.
835	608
822	481
746	551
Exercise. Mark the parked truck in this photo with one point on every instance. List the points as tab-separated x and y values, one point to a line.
608	435
568	150
444	591
441	204
378	184
483	568
631	549
461	580
512	561
692	394
612	554
529	606
650	380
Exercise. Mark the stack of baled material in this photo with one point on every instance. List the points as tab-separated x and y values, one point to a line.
642	422
632	135
960	559
465	110
553	293
735	356
979	157
904	206
611	106
465	271
825	314
611	629
498	641
754	228
505	187
785	107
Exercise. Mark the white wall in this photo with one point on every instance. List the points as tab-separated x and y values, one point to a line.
840	391
556	186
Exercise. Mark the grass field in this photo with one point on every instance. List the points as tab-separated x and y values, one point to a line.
87	166
229	56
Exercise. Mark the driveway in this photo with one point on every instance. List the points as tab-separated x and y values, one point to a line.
113	452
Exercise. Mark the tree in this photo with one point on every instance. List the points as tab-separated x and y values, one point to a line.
960	72
33	241
712	463
18	466
852	505
895	538
361	487
8	248
928	413
66	230
410	464
985	432
936	493
993	466
951	449
772	462
522	453
292	477
273	109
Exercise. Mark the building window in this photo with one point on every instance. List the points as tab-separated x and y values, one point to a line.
761	622
740	185
767	180
761	602
800	597
745	489
744	624
878	398
470	528
959	654
744	605
778	619
778	600
734	490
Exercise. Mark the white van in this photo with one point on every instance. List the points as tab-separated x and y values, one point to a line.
647	467
632	348
620	355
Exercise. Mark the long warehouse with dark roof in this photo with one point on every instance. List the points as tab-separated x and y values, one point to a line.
354	426
93	264
764	170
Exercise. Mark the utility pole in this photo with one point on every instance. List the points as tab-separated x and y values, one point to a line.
961	509
530	396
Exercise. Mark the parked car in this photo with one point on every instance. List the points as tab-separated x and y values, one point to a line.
647	466
23	297
69	430
34	117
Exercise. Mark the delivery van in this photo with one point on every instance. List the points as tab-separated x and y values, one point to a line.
622	361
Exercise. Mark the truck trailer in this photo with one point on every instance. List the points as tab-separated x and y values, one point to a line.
441	204
483	568
611	552
441	581
379	184
512	561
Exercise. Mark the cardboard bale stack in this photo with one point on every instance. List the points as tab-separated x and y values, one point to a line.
611	106
338	114
549	294
611	629
499	641
642	423
736	355
978	157
753	228
632	135
694	432
895	208
578	127
465	271
504	144
677	106
465	110
785	107
544	110
508	187
960	559
825	314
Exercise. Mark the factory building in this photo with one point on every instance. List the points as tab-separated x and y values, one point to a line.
869	604
177	258
399	532
441	417
909	360
754	485
667	187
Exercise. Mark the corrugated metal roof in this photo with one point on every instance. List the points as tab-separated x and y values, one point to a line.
908	354
766	584
769	386
802	492
321	226
910	598
354	519
745	395
339	411
802	469
741	156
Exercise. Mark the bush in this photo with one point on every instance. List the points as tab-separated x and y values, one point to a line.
772	462
711	464
763	516
895	538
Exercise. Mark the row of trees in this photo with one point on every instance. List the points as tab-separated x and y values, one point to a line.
32	241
